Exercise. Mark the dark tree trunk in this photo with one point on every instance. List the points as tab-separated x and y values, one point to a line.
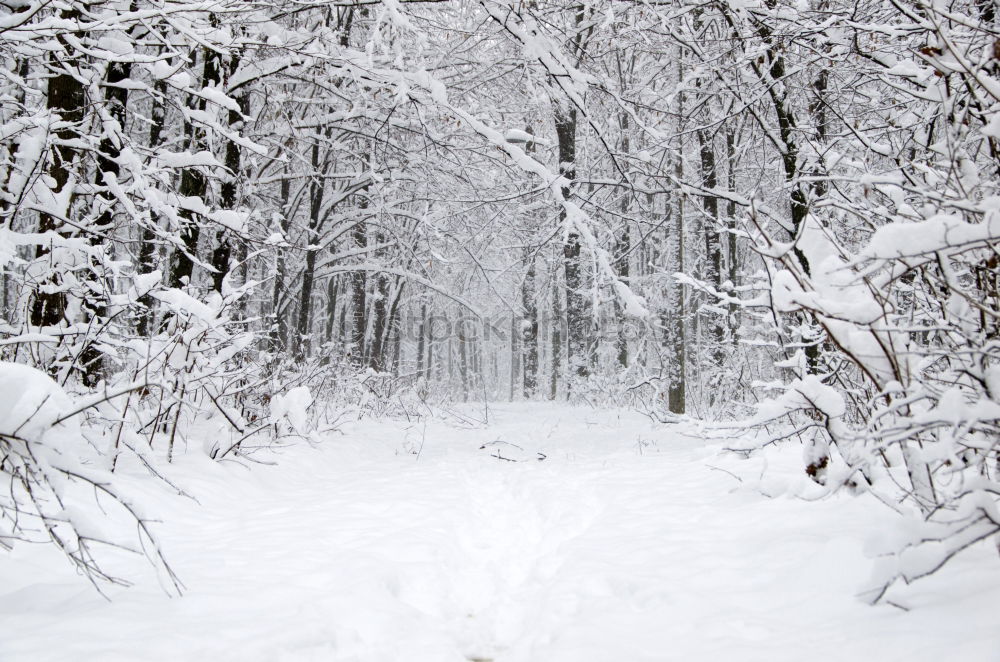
380	320
429	329
529	325
220	260
109	149
66	96
332	287
279	322
515	356
342	324
303	343
23	69
713	243
358	300
788	131
463	359
450	350
395	341
393	330
623	247
193	181
228	191
421	346
529	328
148	244
623	242
674	316
476	377
557	339
577	322
302	335
732	248
193	184
116	98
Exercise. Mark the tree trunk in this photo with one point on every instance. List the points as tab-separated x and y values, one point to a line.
577	322
342	324
676	314
148	244
421	346
109	149
463	360
303	345
380	320
279	322
622	251
358	300
393	335
229	188
529	328
732	248
557	339
23	69
429	329
332	287
317	188
194	184
788	131
65	96
515	356
713	244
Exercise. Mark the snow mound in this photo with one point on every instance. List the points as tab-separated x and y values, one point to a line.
31	402
293	406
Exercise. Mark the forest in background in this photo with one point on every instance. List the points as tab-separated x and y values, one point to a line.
771	215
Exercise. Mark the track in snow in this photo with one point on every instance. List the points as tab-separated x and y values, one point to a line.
404	542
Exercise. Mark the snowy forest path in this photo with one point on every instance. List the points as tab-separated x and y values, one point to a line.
594	536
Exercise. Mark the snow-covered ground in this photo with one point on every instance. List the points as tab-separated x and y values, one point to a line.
407	541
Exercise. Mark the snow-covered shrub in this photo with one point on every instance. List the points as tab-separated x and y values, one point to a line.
886	301
205	361
383	394
57	486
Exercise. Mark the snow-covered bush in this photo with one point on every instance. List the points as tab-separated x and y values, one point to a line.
56	484
886	298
